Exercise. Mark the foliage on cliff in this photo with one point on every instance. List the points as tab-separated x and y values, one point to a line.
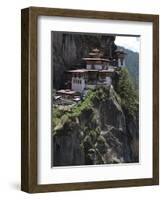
125	89
97	130
124	94
93	97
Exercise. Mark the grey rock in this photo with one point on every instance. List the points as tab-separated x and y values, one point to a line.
103	134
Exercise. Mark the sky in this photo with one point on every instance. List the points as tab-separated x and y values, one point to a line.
132	43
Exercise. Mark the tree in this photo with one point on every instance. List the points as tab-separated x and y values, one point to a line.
127	93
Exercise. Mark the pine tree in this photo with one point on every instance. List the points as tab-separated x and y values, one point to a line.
126	91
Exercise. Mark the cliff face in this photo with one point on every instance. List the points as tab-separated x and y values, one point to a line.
69	49
104	127
97	131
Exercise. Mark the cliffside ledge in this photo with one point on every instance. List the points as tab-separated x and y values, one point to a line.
101	129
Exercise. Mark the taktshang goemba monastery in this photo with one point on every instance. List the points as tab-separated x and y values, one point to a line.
98	72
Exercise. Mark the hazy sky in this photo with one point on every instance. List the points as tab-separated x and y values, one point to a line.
132	43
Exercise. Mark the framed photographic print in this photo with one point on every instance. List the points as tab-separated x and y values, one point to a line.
90	99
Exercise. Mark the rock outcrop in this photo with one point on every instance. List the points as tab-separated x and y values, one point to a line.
97	131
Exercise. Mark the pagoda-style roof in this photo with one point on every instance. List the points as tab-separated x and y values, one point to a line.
95	55
92	54
96	59
106	71
96	50
92	70
66	91
77	71
82	70
120	51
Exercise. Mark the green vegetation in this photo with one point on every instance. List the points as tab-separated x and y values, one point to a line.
127	93
83	105
56	116
132	64
60	117
124	94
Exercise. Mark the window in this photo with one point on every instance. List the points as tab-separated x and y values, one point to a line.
121	61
